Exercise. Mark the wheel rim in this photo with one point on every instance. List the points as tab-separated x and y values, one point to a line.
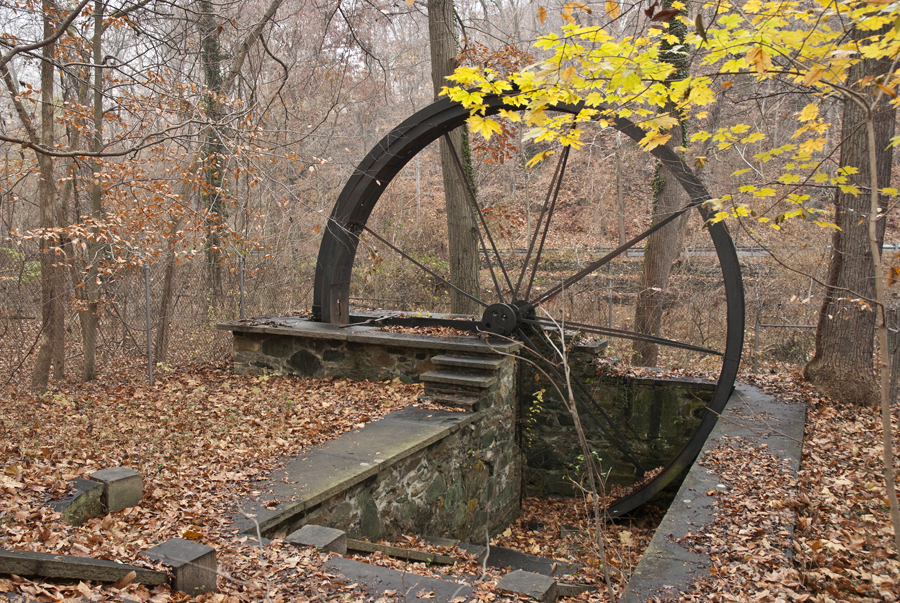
363	190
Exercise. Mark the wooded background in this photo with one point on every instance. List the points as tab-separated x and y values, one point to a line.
189	146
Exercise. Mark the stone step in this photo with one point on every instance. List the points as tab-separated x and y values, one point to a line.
512	560
503	558
459	379
461	401
475	363
374	580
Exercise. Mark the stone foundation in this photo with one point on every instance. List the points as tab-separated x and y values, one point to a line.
473	476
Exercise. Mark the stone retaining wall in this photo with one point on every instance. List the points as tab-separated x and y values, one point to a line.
296	346
658	417
457	487
523	436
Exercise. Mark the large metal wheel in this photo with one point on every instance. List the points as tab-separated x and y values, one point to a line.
512	304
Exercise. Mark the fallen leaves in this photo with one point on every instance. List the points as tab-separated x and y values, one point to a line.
199	437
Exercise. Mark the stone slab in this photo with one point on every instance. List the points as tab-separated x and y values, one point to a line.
321	537
478	381
374	580
469	362
667	568
193	564
467	403
502	558
85	502
27	563
122	487
537	586
303	327
317	475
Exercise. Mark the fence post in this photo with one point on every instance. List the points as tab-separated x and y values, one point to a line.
609	304
241	271
149	331
756	344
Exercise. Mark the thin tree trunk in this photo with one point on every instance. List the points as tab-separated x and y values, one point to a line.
52	347
620	195
884	355
168	289
461	228
662	246
91	284
842	366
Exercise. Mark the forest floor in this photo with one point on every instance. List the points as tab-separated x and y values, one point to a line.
201	434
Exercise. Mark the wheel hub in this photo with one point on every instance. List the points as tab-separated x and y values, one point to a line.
500	319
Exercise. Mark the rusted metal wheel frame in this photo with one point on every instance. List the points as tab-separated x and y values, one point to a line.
361	193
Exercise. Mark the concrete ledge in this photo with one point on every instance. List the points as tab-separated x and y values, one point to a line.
667	568
27	563
340	464
303	327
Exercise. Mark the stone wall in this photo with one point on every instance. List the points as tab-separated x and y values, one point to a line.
294	346
467	481
656	418
320	358
523	436
455	488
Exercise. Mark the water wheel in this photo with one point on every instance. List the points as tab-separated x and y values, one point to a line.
513	306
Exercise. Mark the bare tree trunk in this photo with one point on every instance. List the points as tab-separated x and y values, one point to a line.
662	246
89	323
620	195
165	305
842	366
53	285
461	228
660	252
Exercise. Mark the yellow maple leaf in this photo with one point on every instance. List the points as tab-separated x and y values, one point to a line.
612	9
813	76
760	58
653	139
486	127
809	112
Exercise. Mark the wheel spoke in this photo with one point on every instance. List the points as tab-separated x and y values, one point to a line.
622	334
553	192
477	216
421	266
596	264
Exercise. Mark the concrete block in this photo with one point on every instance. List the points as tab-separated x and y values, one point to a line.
84	503
122	487
67	567
193	564
327	539
538	587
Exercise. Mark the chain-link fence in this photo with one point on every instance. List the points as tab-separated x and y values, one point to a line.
176	306
167	309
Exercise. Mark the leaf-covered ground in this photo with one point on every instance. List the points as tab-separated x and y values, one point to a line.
201	435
